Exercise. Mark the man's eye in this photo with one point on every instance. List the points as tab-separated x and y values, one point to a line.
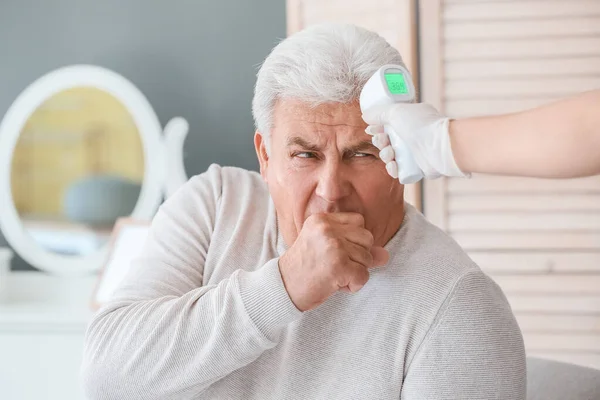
304	155
362	155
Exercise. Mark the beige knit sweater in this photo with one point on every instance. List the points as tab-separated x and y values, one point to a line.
204	315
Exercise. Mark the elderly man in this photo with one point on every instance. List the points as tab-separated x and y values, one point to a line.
312	279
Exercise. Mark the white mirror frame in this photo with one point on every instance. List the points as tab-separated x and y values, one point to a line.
175	133
163	159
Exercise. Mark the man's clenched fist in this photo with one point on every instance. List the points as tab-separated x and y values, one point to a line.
332	252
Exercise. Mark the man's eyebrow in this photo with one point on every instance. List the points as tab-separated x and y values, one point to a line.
365	145
298	141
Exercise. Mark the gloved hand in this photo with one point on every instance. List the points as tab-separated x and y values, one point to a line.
423	129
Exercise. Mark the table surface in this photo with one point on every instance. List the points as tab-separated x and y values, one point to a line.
39	301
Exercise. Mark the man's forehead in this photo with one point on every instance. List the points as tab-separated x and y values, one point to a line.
331	114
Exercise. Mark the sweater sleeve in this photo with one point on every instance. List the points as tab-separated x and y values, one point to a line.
164	335
473	350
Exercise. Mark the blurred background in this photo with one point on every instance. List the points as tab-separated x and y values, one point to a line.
539	239
197	59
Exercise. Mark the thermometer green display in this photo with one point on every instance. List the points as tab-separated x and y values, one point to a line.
396	83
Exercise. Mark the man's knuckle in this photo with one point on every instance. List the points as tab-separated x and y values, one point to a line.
322	227
358	219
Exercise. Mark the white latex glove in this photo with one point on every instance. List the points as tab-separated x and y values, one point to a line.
423	129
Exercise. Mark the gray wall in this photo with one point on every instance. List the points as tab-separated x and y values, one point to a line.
195	58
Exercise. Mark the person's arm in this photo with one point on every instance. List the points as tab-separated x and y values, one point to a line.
558	140
473	350
165	335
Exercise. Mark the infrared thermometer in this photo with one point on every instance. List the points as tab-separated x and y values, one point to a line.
393	84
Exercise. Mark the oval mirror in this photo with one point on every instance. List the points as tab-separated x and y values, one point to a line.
79	148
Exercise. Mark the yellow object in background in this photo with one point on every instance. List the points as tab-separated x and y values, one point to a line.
77	133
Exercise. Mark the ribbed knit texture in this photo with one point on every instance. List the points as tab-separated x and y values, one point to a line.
204	314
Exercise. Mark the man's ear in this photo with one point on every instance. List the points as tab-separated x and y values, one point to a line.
260	146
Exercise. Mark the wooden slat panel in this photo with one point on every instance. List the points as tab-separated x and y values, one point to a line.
523	221
562	341
432	73
381	16
533	87
294	16
559	323
391	19
523	202
430	54
528	240
487	106
480	184
588	359
378	15
559	67
539	239
581	305
487	1
545	28
550	284
524	49
496	263
520	10
374	21
333	9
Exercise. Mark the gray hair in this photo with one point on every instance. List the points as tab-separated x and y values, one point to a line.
322	64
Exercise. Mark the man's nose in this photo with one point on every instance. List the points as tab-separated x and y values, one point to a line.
333	182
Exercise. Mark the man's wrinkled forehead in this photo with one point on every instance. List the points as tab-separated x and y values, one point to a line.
289	111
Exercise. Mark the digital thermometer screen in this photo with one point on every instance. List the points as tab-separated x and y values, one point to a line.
396	83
